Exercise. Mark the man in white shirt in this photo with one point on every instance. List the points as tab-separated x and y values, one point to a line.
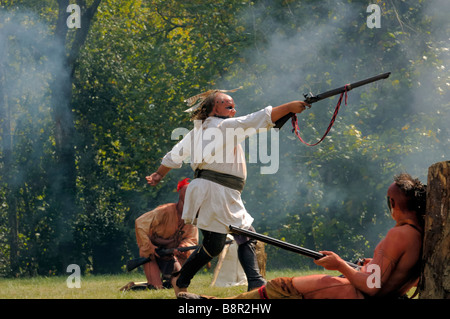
213	199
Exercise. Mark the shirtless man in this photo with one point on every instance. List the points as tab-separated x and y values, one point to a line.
397	257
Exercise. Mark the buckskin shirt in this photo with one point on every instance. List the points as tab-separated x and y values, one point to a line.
162	228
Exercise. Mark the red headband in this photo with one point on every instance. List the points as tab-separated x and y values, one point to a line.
182	183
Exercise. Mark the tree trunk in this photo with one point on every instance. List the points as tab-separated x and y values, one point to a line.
63	175
8	174
435	277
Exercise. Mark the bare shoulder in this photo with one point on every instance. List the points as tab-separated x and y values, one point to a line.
401	231
403	235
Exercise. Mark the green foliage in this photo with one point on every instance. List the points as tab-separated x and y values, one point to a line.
141	59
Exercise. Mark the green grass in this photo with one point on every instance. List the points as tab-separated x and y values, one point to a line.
107	287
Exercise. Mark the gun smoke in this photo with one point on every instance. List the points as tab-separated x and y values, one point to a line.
317	56
328	45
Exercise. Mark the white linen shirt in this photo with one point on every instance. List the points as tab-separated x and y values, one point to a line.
215	145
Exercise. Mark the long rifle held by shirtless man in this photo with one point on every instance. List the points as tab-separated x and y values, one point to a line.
281	244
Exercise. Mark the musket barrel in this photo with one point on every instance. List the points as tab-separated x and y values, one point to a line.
276	242
370	80
347	88
325	95
281	244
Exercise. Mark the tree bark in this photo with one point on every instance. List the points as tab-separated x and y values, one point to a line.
63	175
8	173
435	277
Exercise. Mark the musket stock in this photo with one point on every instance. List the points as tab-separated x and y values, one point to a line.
134	263
316	98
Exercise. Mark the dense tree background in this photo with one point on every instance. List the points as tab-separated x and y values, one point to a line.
86	114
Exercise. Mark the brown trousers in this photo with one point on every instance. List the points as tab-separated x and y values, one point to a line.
278	288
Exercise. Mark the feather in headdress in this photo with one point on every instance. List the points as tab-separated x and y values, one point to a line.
199	98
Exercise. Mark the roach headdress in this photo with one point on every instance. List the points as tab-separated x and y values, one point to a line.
182	183
195	101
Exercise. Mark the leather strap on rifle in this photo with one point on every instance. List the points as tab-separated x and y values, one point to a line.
336	110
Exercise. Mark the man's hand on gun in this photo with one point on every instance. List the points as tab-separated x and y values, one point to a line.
300	106
148	251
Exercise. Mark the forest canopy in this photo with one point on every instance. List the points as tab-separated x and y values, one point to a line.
87	112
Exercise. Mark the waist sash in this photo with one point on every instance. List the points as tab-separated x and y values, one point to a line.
226	180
